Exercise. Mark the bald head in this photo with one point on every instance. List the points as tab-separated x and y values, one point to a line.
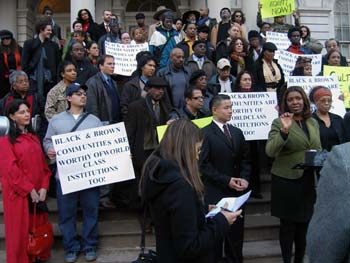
177	58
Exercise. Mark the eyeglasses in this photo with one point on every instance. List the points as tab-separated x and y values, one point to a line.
238	16
22	81
198	98
3	38
80	93
239	44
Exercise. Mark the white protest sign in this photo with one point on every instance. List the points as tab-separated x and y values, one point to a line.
281	40
331	82
287	61
253	113
124	56
93	157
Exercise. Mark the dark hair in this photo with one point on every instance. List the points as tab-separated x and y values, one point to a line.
330	52
177	19
79	18
189	92
187	24
225	8
232	47
216	101
293	29
313	90
233	16
89	44
331	39
179	146
10	109
239	77
102	59
68	55
265	23
308	33
142	61
12	47
284	106
42	24
299	66
65	64
79	33
76	22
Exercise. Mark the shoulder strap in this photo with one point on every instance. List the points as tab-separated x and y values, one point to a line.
80	121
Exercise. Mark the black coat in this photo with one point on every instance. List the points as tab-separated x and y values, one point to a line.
131	92
140	118
219	161
182	232
31	55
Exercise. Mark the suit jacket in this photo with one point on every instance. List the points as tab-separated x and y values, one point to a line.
291	151
219	161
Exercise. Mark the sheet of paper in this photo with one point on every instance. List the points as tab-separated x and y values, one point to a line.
234	203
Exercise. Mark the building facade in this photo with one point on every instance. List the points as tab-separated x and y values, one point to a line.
326	19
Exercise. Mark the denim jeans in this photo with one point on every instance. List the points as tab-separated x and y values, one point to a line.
67	218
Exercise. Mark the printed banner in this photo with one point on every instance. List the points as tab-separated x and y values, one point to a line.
272	8
201	123
287	61
124	56
343	74
281	40
93	157
253	113
308	83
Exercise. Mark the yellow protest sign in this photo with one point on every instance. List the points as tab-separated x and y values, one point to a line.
272	8
201	123
343	74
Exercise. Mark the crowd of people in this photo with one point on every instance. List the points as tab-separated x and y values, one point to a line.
53	86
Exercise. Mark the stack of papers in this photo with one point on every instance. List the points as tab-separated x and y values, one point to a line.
234	203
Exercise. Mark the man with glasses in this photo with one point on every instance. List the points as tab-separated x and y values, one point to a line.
193	109
67	204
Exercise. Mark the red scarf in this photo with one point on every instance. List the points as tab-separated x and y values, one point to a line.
6	62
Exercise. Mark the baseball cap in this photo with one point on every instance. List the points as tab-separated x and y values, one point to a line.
74	88
223	62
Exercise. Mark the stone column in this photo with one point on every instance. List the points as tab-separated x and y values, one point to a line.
8	16
215	7
76	5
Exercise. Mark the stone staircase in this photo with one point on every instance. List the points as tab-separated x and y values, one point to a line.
120	233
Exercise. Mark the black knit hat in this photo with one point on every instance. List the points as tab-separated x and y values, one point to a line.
197	42
140	16
47	8
195	75
269	46
203	28
5	34
253	34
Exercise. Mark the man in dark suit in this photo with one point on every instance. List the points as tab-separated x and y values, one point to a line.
142	119
225	168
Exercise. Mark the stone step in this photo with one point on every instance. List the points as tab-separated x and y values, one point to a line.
126	233
259	206
259	252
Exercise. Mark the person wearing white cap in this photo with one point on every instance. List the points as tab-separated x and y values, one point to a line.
223	82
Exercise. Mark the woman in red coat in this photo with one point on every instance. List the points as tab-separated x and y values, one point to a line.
24	174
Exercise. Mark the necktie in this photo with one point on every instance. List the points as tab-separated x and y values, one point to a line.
227	133
200	63
156	110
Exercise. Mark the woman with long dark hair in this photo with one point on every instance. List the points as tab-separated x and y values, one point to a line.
292	190
89	25
238	51
10	59
172	190
24	179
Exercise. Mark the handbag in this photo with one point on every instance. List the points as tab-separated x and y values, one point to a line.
40	238
151	255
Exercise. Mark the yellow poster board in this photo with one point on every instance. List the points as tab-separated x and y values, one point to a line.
272	8
201	123
343	74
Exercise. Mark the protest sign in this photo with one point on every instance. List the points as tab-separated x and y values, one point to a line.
281	40
253	113
343	74
93	157
124	56
201	123
287	61
331	82
272	8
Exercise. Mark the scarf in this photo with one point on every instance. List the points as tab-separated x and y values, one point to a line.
271	75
